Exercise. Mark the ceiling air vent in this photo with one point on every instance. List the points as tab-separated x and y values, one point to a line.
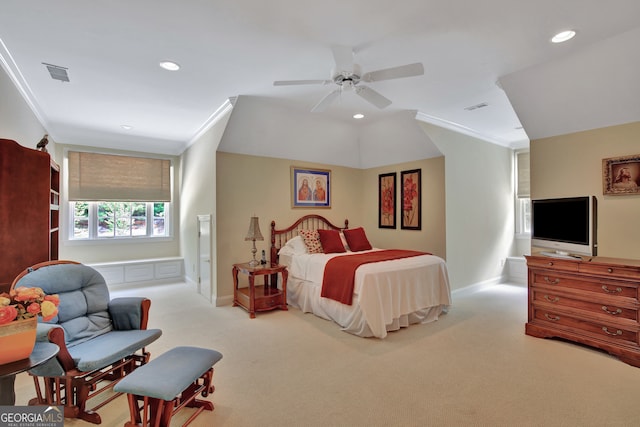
57	73
475	107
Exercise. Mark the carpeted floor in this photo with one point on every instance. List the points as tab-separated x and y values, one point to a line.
473	367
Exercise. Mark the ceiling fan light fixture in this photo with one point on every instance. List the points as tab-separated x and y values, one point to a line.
563	36
358	116
169	65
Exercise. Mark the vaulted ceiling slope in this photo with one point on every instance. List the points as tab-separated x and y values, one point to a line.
594	87
117	96
258	127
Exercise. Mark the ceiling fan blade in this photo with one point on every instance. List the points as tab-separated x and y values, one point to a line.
300	82
343	56
408	70
372	96
324	102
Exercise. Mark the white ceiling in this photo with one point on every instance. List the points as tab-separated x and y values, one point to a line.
229	48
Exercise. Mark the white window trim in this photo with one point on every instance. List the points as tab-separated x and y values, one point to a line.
93	219
518	201
66	216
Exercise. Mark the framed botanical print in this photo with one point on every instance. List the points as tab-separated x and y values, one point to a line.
411	199
387	200
310	188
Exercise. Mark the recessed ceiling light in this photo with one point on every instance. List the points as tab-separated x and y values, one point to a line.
170	65
563	36
358	116
126	127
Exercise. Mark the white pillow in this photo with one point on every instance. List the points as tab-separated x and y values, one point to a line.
344	242
294	246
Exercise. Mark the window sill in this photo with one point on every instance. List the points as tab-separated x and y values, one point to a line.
117	241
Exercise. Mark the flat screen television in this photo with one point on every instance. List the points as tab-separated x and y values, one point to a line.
567	226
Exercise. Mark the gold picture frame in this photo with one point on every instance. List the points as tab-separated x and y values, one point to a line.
621	175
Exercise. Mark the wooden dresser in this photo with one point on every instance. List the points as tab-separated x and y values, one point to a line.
593	301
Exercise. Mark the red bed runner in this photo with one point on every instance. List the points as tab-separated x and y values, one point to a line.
340	271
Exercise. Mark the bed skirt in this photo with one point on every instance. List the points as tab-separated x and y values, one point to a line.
306	297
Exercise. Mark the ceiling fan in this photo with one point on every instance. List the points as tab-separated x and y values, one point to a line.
348	76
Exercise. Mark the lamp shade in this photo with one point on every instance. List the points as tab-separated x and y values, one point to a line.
254	230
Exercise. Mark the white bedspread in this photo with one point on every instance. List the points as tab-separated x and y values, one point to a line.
387	295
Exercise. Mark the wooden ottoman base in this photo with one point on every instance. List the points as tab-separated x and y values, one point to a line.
162	387
158	412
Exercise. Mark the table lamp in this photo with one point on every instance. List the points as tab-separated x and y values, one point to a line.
254	234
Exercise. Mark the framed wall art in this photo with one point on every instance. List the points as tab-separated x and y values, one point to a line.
310	188
621	175
411	199
387	200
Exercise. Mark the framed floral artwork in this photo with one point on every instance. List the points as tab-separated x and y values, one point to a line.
387	200
411	199
310	188
621	175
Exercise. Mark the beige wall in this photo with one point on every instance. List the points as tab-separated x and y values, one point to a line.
432	236
479	206
571	165
261	186
252	185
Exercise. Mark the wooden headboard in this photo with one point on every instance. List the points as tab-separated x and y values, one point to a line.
308	222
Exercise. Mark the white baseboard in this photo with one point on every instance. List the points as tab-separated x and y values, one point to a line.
225	300
477	286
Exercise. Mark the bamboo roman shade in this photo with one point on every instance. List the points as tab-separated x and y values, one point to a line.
523	191
105	177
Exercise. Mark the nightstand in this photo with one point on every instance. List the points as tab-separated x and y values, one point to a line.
262	297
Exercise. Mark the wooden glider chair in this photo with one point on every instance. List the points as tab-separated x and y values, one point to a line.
101	340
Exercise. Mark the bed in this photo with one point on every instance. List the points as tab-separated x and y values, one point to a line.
387	295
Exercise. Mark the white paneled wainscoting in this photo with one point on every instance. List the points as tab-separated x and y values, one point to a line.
141	271
516	271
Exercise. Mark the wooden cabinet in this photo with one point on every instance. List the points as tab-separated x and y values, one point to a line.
592	301
262	297
29	209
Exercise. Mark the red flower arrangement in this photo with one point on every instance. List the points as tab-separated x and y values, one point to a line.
24	303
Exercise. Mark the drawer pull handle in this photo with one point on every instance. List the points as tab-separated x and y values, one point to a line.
610	270
552	318
618	311
554	299
618	331
553	282
610	291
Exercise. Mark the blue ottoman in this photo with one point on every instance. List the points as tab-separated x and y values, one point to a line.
167	384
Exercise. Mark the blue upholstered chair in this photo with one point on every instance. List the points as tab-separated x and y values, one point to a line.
101	340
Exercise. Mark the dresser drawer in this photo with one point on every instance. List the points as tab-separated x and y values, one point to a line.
587	284
622	272
599	308
553	263
617	334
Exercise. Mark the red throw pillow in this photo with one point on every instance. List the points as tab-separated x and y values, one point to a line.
357	239
331	241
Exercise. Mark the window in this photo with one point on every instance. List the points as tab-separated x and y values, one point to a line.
113	196
523	194
115	220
